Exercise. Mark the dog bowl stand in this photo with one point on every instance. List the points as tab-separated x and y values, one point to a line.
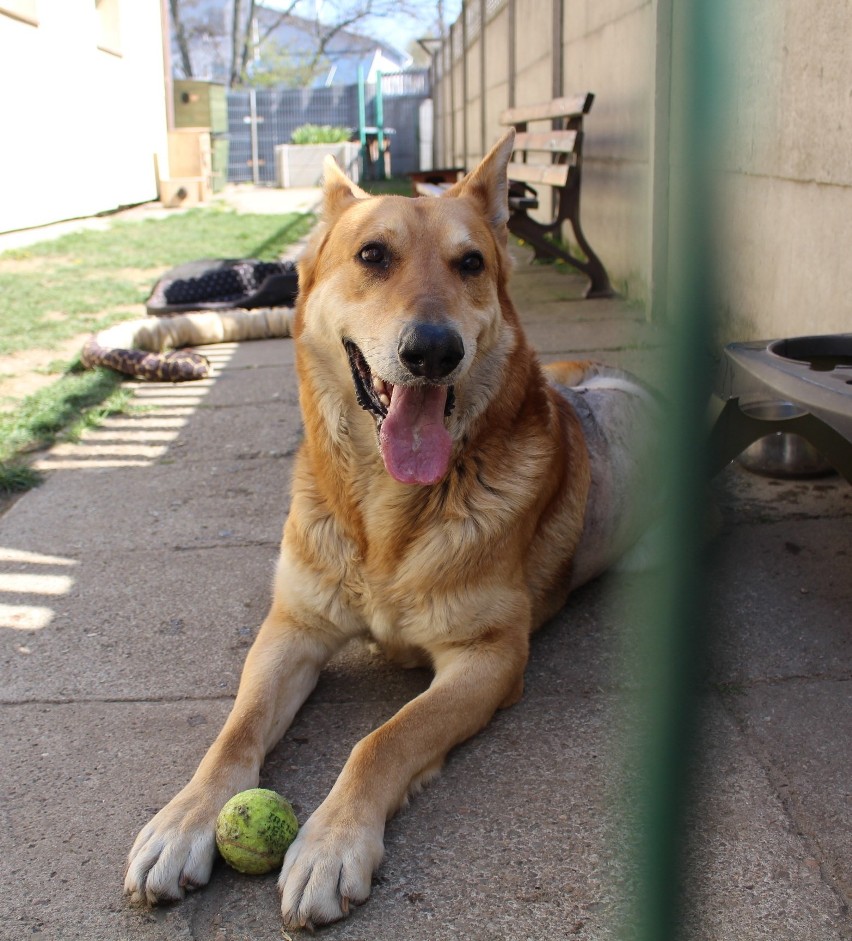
806	380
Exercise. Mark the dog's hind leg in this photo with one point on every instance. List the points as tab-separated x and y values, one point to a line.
569	372
175	851
331	863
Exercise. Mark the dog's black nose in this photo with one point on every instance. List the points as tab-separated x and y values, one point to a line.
429	350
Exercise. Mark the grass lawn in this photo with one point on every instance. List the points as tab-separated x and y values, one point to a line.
396	186
85	281
55	291
77	400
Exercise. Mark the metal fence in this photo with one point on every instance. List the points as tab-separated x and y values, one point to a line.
260	119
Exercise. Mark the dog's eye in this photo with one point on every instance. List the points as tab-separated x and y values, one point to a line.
374	254
471	263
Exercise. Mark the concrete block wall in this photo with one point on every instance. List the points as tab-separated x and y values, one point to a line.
473	107
785	163
605	51
608	49
533	51
787	207
496	72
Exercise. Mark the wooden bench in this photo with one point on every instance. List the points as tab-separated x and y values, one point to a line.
552	157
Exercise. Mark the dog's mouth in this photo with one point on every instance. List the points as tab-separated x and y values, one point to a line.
413	439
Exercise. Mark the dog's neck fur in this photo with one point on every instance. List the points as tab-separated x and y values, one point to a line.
345	468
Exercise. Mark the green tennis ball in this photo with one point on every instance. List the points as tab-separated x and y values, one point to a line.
254	829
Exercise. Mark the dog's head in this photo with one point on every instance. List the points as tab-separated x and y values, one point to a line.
403	309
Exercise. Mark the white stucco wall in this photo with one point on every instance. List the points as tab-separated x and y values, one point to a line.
81	126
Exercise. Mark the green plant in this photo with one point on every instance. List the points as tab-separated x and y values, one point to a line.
320	134
17	478
75	400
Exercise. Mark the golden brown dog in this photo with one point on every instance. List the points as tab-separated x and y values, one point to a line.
447	497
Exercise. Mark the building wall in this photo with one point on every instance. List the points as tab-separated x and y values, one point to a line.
787	207
81	125
608	49
496	71
785	160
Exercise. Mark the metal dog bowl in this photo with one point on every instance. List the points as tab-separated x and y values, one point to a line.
781	454
773	389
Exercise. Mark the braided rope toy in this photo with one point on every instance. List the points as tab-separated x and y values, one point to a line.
153	348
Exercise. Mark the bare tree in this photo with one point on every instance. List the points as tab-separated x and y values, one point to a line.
242	41
180	36
349	13
250	24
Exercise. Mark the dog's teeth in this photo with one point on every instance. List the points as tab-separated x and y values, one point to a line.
384	400
378	384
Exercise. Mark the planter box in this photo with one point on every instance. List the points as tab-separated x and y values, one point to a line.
301	164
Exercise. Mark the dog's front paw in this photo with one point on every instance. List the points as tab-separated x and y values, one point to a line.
173	853
328	867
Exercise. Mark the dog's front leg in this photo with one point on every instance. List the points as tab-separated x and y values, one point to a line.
176	849
337	850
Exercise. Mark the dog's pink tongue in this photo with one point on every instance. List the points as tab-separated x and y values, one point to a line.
415	444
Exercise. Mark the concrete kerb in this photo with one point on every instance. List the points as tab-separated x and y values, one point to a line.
241	198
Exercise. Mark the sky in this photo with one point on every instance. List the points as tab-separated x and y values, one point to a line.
399	32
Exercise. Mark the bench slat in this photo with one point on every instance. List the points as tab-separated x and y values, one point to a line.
558	108
554	142
551	174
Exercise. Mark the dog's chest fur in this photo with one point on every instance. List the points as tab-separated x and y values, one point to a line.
416	567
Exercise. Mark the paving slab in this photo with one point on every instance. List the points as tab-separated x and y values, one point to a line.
781	598
802	731
745	497
523	824
257	354
586	336
268	386
160	479
142	625
751	874
75	780
539	862
193	503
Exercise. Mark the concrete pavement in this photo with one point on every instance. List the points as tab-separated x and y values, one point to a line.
133	580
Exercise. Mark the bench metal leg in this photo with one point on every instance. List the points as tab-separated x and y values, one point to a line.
600	286
521	225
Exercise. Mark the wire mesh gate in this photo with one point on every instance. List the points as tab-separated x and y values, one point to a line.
259	119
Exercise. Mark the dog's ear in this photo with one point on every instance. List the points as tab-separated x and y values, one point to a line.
339	191
488	184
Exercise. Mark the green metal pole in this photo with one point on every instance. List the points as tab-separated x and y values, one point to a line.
380	125
673	638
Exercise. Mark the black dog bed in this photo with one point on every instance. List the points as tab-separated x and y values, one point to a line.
216	284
